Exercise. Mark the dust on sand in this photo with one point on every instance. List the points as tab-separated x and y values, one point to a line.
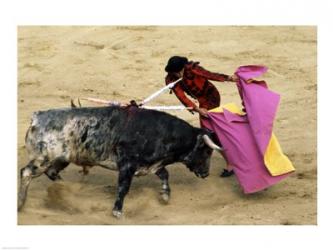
124	63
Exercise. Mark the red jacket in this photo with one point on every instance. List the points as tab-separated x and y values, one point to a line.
195	84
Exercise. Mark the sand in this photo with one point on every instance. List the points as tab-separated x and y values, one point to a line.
56	64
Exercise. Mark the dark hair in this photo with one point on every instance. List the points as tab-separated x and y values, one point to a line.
176	64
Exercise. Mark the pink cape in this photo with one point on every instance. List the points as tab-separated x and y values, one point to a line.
245	138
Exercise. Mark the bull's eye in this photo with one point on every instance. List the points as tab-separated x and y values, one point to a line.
207	153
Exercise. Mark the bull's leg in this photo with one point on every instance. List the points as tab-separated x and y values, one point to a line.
85	170
125	177
27	173
56	167
163	174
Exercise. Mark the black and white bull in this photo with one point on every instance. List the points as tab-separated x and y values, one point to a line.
131	140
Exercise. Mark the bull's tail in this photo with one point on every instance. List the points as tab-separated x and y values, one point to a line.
26	177
22	195
27	174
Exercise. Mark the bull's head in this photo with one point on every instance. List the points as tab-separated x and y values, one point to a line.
198	160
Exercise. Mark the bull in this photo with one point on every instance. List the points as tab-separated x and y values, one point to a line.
131	140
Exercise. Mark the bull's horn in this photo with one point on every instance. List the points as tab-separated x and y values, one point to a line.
78	100
210	143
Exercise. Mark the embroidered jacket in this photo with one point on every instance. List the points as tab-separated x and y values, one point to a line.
195	84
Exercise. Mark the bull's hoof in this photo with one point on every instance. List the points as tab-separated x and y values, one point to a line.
117	213
165	197
225	173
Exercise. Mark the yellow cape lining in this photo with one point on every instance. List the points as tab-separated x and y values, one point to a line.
276	162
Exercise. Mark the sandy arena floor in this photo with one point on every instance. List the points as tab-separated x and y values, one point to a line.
56	64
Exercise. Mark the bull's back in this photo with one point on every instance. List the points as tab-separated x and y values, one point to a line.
71	133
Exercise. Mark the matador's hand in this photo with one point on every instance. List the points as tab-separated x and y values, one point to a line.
203	112
233	78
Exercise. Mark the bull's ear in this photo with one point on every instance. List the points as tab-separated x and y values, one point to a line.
199	144
200	141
